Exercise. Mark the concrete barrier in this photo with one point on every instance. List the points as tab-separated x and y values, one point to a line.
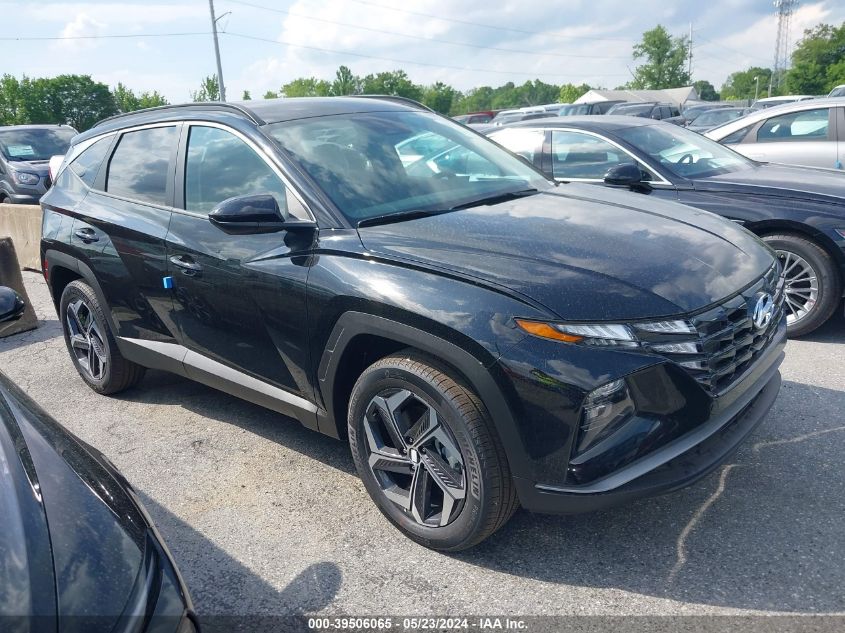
22	222
10	275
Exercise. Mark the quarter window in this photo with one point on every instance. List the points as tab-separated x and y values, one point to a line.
219	166
87	164
577	155
807	125
140	164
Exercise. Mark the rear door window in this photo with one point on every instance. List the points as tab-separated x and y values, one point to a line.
140	165
807	125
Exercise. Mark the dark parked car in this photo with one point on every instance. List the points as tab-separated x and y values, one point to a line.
482	337
651	110
476	118
25	151
581	109
709	119
799	212
79	553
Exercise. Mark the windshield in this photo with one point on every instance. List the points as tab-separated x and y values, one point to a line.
717	117
36	143
631	110
682	152
372	164
573	110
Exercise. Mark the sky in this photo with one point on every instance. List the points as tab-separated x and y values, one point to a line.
265	43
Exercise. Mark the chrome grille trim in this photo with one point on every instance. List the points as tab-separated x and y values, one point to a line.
727	342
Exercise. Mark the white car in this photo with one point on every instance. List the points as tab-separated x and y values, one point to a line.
809	133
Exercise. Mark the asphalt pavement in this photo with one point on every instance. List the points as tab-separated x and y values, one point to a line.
266	517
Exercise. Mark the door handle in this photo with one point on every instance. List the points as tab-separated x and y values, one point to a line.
188	265
86	235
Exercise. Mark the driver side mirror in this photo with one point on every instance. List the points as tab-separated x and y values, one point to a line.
624	175
11	305
260	213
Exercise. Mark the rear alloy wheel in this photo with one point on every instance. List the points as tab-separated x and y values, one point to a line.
428	454
90	343
812	289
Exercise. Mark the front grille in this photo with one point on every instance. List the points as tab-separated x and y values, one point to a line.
726	343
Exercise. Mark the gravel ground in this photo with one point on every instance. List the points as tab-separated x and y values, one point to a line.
265	517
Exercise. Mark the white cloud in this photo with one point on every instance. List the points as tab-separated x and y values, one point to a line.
82	26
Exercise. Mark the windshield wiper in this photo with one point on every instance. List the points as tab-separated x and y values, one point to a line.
497	198
401	216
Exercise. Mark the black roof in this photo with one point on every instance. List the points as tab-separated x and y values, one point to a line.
266	111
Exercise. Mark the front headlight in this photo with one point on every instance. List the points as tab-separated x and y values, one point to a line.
604	334
26	178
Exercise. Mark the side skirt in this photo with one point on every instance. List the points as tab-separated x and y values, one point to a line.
180	360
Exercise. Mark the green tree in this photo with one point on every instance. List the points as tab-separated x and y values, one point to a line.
345	83
818	62
76	100
394	83
440	97
270	94
570	92
12	110
125	99
745	84
475	100
151	100
209	90
246	96
665	61
307	87
706	91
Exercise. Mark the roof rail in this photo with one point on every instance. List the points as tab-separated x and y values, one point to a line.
397	99
215	105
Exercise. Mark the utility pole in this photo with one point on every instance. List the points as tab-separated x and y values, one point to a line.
689	64
217	52
756	87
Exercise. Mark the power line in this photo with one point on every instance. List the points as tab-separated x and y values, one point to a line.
491	26
99	37
424	39
408	61
728	48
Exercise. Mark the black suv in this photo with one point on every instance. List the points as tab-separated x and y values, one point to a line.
482	337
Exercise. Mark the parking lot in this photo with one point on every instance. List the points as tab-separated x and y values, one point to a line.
265	517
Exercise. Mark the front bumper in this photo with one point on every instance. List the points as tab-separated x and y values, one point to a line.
676	464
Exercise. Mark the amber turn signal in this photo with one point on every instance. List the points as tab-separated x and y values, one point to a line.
545	330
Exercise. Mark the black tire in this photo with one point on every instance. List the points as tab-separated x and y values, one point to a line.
829	292
490	497
116	373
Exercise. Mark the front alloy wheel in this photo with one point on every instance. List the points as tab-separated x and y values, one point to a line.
428	452
414	458
801	291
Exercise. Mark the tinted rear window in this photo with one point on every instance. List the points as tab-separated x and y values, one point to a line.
87	164
141	163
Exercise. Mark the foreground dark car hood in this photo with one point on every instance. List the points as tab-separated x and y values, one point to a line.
587	253
97	534
823	185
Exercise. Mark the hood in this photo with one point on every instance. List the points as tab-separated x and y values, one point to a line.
824	185
587	253
97	533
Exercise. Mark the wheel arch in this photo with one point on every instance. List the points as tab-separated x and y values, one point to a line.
358	339
63	269
801	229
